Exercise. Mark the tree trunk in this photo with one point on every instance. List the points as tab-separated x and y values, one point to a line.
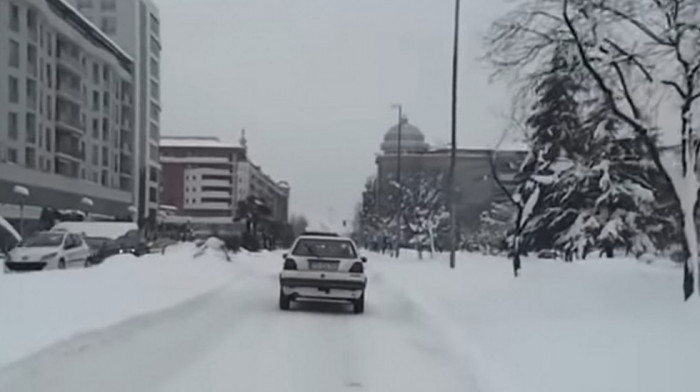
688	202
432	242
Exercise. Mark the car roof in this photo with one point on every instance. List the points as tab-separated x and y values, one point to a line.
323	237
319	234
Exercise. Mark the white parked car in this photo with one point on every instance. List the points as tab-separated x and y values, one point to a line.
48	250
323	267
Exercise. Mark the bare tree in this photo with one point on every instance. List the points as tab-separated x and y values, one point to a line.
643	58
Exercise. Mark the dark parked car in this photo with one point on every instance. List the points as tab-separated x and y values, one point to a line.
100	249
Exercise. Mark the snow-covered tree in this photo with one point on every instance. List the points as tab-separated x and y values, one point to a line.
424	209
642	56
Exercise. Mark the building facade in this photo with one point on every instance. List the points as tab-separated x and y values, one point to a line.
200	175
475	186
252	181
135	26
66	112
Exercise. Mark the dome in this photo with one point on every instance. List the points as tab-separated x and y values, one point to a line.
412	139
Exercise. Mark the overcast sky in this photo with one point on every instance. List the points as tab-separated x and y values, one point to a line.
312	82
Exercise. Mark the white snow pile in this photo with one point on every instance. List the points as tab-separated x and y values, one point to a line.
42	308
597	325
212	247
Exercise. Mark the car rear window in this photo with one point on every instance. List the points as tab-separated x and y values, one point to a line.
308	247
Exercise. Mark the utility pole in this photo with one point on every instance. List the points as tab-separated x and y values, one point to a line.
453	149
398	179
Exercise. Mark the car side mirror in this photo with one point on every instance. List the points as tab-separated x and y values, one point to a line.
364	259
284	256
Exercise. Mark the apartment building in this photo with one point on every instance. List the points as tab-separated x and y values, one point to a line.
66	111
135	26
252	181
199	175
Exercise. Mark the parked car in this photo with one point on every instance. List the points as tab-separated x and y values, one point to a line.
48	250
100	249
323	267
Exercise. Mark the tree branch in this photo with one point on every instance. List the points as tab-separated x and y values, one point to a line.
678	88
626	90
639	25
631	58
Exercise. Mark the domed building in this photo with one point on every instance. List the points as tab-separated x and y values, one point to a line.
412	139
475	187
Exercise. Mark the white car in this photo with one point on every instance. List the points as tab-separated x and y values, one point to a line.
323	267
48	250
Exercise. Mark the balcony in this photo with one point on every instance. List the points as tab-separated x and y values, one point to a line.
68	57
67	168
68	122
69	151
69	91
216	194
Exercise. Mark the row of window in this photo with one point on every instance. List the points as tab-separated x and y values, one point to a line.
209	200
105	5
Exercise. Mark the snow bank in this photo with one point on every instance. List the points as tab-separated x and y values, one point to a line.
43	308
598	325
111	230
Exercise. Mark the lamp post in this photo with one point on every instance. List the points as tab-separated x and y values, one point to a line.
86	201
453	149
398	178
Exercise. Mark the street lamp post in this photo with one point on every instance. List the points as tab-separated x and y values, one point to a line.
398	179
453	149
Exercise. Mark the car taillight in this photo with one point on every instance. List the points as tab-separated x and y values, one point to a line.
290	264
357	268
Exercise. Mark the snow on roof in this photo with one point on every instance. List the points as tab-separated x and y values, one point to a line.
195	141
7	226
111	230
99	33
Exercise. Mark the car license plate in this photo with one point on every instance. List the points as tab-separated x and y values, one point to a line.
323	265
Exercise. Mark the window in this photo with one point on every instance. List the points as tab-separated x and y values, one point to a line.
14	54
96	101
48	140
154	132
105	101
49	44
14	89
105	74
31	127
96	129
31	93
12	125
155	68
96	73
105	178
155	47
49	109
30	157
109	5
105	157
105	130
155	90
155	26
12	155
84	4
109	25
95	155
154	153
153	195
14	18
32	24
153	175
49	75
155	113
32	60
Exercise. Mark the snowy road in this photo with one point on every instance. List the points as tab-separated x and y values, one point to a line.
235	339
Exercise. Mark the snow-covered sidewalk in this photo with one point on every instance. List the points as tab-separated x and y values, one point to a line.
598	325
42	308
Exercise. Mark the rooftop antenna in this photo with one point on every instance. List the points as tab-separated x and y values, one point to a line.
243	141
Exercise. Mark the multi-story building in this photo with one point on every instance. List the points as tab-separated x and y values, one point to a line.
475	186
199	175
135	26
66	111
252	181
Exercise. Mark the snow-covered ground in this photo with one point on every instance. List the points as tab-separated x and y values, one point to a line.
42	308
600	325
